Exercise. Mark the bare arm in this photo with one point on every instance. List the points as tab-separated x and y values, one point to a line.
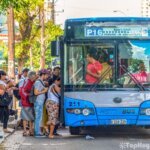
96	75
37	92
57	88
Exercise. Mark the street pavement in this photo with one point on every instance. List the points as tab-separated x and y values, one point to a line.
105	139
12	123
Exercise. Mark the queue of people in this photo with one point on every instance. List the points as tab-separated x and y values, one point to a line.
39	116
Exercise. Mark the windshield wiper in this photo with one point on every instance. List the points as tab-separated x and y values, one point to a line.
140	86
101	78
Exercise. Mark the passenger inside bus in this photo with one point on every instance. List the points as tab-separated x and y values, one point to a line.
106	59
93	68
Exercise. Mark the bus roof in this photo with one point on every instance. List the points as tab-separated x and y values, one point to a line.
97	19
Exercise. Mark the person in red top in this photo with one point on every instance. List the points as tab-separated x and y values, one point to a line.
27	114
94	67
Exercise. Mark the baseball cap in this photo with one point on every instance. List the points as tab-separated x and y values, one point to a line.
43	71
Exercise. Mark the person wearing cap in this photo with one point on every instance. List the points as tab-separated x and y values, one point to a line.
40	91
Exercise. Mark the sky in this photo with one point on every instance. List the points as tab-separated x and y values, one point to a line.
96	8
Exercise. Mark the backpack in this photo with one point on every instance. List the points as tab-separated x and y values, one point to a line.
16	92
5	99
33	97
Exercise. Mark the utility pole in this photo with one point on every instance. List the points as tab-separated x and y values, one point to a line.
11	43
51	7
41	19
53	11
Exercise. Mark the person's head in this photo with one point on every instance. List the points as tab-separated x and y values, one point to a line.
57	80
2	75
50	71
43	73
91	55
25	72
32	75
56	71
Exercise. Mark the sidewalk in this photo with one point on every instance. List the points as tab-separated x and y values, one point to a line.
3	135
11	127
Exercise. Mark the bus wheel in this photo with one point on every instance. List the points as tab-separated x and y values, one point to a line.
74	130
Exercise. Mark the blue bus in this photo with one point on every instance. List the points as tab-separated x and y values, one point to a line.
121	96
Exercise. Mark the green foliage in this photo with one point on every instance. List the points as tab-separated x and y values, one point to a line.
135	65
19	5
26	13
3	49
51	32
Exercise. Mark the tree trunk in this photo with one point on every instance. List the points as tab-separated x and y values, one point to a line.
31	58
11	43
41	18
20	65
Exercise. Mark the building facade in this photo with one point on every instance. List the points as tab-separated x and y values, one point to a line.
145	8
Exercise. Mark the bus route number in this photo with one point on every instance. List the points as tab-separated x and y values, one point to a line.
74	104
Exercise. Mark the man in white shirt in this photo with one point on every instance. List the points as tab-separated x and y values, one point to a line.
23	77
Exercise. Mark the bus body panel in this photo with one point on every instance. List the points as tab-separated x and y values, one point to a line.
106	98
101	116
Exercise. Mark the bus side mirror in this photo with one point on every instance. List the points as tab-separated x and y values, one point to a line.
55	48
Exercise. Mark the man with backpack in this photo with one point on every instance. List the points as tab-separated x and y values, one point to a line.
20	83
22	79
27	112
40	91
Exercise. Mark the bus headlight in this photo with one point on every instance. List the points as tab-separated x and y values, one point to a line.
77	111
81	111
147	112
86	112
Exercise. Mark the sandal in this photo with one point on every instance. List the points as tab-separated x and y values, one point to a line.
51	136
46	131
7	131
31	133
25	133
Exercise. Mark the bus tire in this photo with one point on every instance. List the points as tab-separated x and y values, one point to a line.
74	130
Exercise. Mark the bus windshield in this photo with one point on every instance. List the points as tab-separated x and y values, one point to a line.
76	63
134	55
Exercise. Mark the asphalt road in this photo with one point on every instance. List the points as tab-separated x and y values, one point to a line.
105	139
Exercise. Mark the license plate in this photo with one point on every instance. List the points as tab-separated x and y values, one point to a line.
119	122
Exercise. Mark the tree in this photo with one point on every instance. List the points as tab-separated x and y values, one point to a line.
27	49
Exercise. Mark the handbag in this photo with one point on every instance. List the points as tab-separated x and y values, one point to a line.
5	99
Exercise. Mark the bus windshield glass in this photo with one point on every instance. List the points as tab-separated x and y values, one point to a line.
135	56
109	53
107	62
78	64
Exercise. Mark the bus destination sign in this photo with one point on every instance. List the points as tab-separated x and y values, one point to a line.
116	32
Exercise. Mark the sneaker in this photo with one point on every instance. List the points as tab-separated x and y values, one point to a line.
40	136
